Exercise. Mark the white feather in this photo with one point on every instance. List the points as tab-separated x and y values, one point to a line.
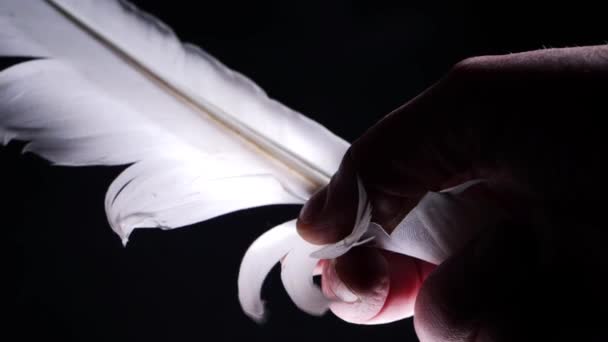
115	86
258	261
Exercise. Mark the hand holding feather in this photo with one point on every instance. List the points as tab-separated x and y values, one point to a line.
520	218
201	140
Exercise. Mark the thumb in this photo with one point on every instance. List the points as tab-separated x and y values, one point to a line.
329	215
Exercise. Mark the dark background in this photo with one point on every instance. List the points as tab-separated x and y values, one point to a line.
343	63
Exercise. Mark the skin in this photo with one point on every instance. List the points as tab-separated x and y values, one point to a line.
532	124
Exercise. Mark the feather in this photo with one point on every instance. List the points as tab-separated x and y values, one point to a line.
113	85
258	261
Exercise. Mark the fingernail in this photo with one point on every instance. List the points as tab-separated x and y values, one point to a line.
335	287
360	282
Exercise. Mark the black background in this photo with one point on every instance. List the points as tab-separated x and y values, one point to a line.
343	63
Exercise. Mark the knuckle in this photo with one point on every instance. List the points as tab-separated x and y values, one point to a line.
470	66
474	72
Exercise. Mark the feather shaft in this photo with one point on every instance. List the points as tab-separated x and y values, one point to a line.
314	177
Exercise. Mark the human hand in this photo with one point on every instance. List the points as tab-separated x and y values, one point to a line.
529	124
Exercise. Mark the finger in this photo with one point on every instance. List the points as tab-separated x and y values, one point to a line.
358	283
484	292
406	278
373	287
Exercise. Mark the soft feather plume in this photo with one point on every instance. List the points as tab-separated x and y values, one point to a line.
116	87
112	85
